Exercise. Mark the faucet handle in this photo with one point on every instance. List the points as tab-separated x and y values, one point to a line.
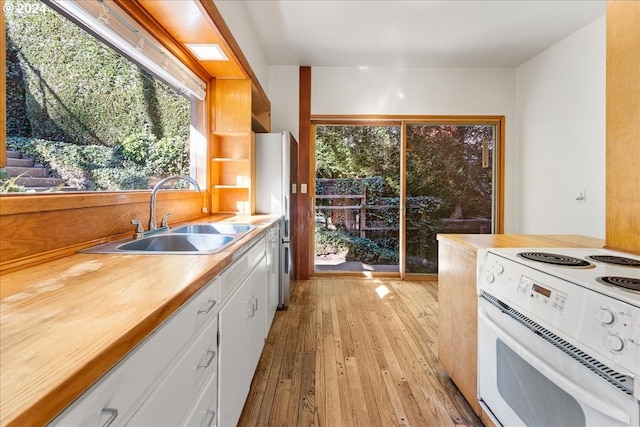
139	231
164	222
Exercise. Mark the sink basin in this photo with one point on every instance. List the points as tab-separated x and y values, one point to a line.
196	238
167	244
215	228
179	243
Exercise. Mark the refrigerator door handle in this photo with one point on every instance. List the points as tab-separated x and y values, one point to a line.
287	260
286	216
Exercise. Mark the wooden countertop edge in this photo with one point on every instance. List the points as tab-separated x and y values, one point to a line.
477	242
48	405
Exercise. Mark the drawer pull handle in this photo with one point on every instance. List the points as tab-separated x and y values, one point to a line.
251	308
113	414
212	304
212	355
211	414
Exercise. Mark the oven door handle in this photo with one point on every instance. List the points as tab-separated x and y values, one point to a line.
607	408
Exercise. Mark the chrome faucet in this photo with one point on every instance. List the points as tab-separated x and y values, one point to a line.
154	192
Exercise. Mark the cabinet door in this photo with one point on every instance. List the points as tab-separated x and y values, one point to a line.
233	372
273	272
242	330
257	283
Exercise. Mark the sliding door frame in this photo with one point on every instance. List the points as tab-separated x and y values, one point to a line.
403	122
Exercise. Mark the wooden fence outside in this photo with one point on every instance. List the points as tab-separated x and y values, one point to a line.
355	215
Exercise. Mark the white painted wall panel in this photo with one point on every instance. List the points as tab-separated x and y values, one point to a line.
284	86
561	137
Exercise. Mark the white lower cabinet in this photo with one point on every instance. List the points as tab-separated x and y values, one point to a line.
196	368
242	332
273	274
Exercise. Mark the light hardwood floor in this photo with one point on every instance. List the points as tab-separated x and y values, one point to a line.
355	352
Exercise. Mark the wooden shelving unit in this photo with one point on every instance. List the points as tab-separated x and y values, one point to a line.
232	147
260	110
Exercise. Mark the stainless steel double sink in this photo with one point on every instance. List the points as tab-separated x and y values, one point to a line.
196	238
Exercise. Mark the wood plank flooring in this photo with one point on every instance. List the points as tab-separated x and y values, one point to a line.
355	352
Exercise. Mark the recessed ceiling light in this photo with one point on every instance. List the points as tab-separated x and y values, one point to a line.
208	52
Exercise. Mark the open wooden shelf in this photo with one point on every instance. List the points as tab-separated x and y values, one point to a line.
232	199
232	147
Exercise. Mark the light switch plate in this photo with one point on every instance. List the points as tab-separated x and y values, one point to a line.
303	188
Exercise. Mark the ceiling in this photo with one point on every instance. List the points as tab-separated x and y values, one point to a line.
418	34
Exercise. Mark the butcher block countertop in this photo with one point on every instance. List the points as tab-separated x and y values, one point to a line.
64	323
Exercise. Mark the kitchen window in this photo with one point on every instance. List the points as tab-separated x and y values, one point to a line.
71	65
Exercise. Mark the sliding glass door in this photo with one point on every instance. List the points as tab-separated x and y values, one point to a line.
357	204
449	186
384	190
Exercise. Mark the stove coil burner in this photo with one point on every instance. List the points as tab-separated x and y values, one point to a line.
556	259
616	260
622	282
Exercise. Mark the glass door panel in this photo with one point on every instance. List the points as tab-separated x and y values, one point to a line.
449	186
357	202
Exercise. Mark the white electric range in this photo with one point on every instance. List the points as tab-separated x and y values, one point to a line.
567	320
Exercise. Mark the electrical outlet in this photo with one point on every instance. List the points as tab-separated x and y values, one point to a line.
303	188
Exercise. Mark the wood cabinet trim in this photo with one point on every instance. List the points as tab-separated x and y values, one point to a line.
11	204
623	126
303	258
147	21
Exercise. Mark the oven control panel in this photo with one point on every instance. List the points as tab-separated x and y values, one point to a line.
613	328
542	294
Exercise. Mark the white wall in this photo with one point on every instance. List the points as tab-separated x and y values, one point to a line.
237	19
284	87
560	100
412	91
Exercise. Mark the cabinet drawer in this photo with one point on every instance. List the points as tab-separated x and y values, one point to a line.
176	392
121	390
102	405
204	412
206	304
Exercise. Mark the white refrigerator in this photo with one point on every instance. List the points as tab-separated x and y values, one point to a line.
276	189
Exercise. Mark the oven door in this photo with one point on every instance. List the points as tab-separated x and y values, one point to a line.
524	380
